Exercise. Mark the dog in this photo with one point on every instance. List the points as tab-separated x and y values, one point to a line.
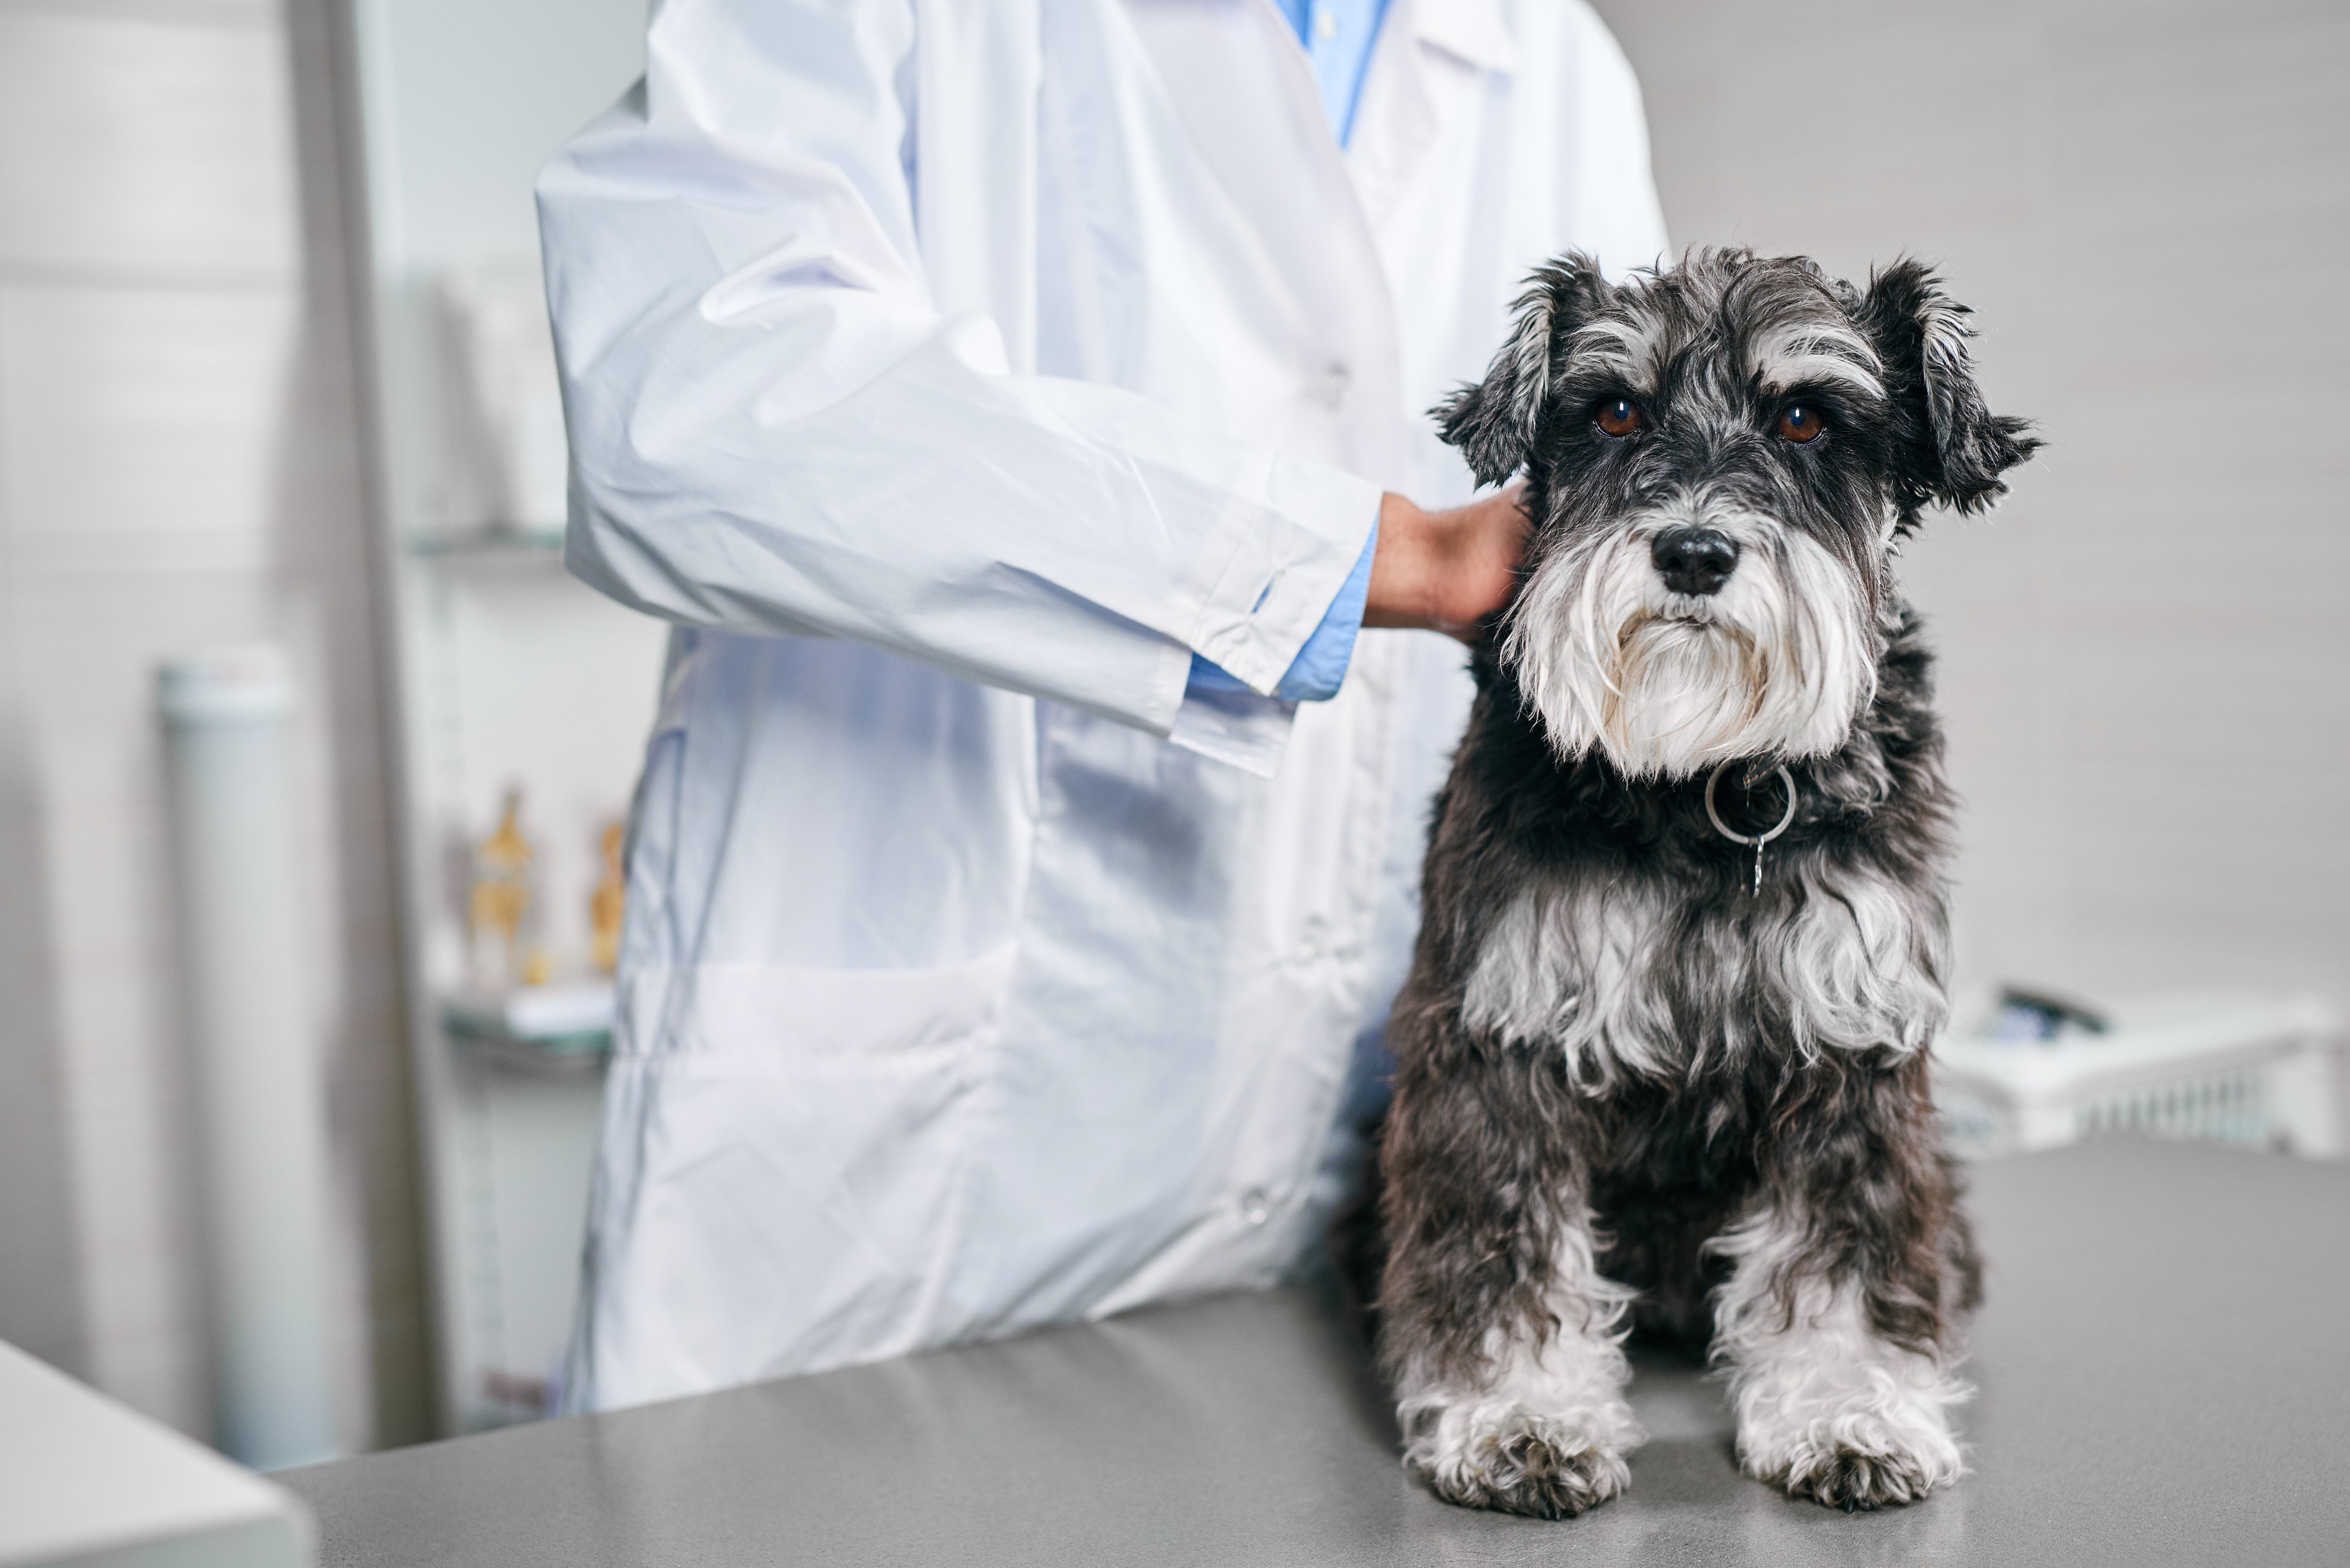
1661	1062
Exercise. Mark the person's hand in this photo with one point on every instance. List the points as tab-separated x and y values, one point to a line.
1445	571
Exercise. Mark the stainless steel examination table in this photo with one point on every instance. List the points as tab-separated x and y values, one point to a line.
2164	1367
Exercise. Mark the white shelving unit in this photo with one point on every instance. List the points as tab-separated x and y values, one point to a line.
511	674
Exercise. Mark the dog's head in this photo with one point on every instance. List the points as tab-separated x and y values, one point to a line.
1721	459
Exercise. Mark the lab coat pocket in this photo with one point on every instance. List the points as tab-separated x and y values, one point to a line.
804	1145
778	1015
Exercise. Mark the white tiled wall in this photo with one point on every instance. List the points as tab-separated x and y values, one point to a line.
147	136
143	413
2144	651
178	467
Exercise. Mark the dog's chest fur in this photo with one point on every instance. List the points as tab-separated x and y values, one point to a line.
1608	922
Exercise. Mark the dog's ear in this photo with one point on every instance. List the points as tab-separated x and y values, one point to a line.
1494	421
1955	447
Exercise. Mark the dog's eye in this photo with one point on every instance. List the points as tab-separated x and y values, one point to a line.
1616	415
1800	424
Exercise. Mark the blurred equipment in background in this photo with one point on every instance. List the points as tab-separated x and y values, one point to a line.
90	1484
2035	1015
506	465
258	1081
2038	1071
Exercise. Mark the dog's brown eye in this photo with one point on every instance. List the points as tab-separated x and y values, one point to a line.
1800	424
1616	415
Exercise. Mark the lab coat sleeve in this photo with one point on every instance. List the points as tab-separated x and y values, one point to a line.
775	429
1320	667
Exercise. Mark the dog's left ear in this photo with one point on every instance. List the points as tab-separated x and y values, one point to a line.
1956	448
1494	421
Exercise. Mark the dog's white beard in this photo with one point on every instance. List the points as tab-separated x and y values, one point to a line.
1778	663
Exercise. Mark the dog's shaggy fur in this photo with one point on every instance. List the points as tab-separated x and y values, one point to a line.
1631	1089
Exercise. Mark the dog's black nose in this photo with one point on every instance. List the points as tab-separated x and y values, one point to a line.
1694	560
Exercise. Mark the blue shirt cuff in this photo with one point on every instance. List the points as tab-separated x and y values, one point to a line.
1320	667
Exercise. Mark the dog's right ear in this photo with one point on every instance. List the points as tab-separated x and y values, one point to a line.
1494	421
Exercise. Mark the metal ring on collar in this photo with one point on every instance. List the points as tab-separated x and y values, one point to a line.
1723	828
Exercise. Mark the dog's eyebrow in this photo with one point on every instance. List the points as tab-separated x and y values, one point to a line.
1627	349
1783	358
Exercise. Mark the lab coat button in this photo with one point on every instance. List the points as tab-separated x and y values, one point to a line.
1331	389
1256	1206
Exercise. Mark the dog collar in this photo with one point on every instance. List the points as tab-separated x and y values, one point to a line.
1713	812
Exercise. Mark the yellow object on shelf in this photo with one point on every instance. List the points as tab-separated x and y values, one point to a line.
604	905
500	901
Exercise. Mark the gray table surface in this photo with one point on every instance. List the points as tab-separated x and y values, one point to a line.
2163	1367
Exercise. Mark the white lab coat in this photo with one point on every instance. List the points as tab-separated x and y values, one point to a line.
950	372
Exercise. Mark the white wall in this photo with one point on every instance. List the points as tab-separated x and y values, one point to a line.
178	467
2144	652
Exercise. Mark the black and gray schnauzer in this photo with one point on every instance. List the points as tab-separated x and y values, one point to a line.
1651	1072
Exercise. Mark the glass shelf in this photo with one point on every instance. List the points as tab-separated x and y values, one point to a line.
562	1027
488	543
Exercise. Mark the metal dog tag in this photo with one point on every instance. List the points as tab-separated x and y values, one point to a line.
1759	840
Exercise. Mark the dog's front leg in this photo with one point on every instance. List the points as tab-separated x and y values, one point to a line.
1501	1336
1527	1415
1840	1321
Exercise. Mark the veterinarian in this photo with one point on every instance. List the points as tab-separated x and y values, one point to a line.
1013	406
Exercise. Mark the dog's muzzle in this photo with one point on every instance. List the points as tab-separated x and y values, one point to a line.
1694	560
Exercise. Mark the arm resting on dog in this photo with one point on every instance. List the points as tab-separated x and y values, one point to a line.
780	429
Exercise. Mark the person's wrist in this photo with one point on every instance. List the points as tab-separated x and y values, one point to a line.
1401	579
1444	571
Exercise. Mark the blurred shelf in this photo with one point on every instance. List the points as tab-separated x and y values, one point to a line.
564	1028
488	543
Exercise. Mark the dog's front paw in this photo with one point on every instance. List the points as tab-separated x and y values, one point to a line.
1857	1480
1520	1462
1860	1460
1831	1410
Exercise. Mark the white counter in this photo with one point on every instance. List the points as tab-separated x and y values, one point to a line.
86	1481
